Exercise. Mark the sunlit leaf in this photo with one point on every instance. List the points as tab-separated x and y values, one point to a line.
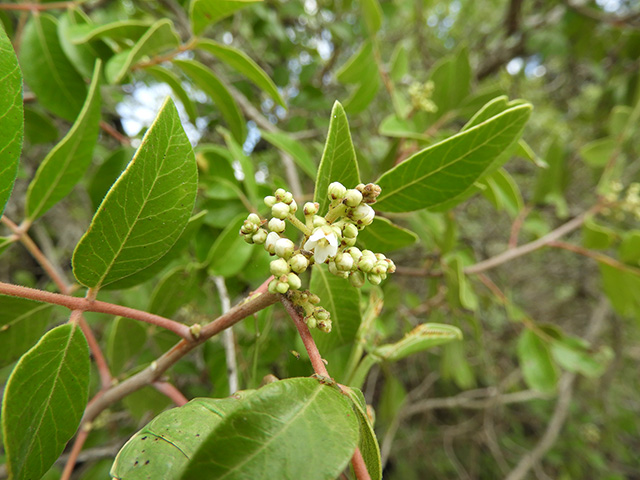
206	12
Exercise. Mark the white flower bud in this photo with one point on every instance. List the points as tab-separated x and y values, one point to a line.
270	201
366	263
324	326
380	267
318	221
248	239
344	262
280	194
280	210
357	279
355	253
282	287
284	248
350	231
248	227
353	198
349	242
260	236
391	266
273	285
270	242
336	191
299	263
380	256
310	209
374	279
253	218
287	198
294	281
293	206
363	214
321	314
277	225
279	267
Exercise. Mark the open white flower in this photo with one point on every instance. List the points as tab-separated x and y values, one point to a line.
324	244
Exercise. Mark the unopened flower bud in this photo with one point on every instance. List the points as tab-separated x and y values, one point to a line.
248	239
273	285
370	192
282	287
344	262
280	210
287	198
280	193
366	262
311	321
314	299
333	269
355	253
380	256
350	231
391	266
260	236
380	267
319	221
374	279
248	227
353	198
270	242
324	326
363	214
293	206
279	267
277	225
298	263
294	281
357	279
310	208
284	248
270	201
253	218
336	191
321	314
348	242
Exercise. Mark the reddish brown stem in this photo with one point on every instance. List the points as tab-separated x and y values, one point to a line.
170	391
124	140
37	7
359	467
73	455
85	305
517	225
600	257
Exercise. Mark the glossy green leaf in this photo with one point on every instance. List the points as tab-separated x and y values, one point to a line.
538	369
445	170
174	252
83	57
22	323
360	66
229	253
11	118
38	127
372	14
106	175
206	12
294	148
242	63
124	29
598	152
277	432
126	340
205	79
46	69
342	300
44	401
67	163
167	76
339	162
147	208
368	442
384	236
173	291
421	338
502	190
160	37
597	236
164	446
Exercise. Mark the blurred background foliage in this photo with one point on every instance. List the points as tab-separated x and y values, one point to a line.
548	364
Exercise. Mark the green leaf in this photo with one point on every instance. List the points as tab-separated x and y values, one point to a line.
156	268
67	163
106	175
622	290
164	446
339	162
277	432
126	340
421	338
392	126
83	57
502	190
342	300
362	96
384	236
455	366
459	291
598	152
629	250
597	236
245	163
206	12
173	291
229	253
22	323
242	63
551	182
120	30
368	442
361	65
618	119
294	148
445	170
452	82
538	369
11	118
38	127
573	354
212	86
160	37
44	401
147	208
46	69
372	14
399	63
171	79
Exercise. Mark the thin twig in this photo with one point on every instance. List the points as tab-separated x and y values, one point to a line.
37	7
85	305
228	339
70	464
600	257
108	128
170	391
517	225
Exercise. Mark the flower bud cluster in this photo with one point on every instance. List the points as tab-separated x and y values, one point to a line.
420	94
621	202
314	315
